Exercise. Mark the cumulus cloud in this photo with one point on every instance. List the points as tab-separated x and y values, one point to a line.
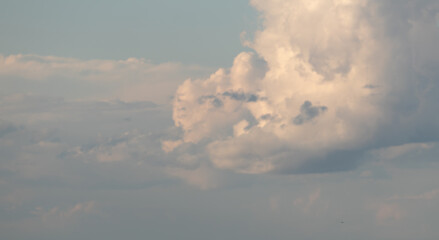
327	82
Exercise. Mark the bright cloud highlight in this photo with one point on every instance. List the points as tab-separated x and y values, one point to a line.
328	81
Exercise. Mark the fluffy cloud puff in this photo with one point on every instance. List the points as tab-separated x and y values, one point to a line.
327	82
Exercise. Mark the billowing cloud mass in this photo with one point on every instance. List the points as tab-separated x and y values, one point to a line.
328	81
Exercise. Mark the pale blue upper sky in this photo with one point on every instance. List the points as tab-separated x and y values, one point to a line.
204	32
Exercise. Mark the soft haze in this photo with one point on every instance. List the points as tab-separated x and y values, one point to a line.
274	119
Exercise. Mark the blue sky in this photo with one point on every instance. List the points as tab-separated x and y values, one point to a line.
161	120
193	31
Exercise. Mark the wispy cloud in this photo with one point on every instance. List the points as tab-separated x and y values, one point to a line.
430	195
56	214
132	79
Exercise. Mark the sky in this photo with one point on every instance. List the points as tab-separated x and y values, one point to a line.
160	31
249	120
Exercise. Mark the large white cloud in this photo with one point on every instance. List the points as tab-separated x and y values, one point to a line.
329	80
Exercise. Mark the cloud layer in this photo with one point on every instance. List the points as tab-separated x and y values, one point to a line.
130	80
327	82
